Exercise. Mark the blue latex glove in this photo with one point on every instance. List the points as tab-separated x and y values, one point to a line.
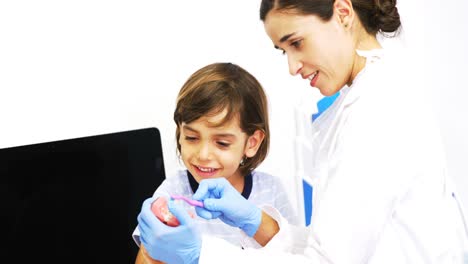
179	244
222	201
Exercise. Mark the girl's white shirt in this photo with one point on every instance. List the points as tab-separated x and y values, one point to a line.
381	189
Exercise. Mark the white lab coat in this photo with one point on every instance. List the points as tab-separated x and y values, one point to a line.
381	192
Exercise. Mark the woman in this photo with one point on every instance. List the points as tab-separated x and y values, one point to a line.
381	192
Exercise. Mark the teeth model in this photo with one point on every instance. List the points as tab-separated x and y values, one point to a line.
160	210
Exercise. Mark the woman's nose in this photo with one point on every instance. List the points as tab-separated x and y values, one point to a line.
295	65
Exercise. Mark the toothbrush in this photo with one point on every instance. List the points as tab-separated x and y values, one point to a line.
187	200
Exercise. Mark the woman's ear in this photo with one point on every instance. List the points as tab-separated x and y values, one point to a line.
344	12
253	143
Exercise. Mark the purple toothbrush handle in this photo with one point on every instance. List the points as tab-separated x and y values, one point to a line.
187	200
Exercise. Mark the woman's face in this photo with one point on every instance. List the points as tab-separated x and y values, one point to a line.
321	52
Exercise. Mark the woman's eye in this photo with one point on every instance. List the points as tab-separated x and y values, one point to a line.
190	138
296	44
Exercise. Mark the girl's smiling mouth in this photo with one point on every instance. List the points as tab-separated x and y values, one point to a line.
205	172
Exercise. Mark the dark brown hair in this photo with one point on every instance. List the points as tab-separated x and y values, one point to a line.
375	15
220	86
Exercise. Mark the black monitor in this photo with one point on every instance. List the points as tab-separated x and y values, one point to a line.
77	200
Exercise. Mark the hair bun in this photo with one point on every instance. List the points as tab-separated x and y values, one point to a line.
387	18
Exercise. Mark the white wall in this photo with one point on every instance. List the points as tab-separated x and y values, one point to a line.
77	68
437	32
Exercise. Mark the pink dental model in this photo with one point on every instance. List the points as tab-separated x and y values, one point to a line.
159	208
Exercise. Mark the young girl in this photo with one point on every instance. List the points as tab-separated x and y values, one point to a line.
222	131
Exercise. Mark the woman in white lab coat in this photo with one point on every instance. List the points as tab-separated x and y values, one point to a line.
381	191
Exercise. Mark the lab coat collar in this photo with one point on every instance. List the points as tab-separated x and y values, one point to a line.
348	96
372	57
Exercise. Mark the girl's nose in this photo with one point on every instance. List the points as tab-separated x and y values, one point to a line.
204	152
295	65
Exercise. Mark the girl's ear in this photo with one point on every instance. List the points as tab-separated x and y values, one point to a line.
253	143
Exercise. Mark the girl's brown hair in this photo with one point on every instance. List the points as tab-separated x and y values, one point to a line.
220	86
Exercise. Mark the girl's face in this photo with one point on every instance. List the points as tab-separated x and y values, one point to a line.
321	52
210	151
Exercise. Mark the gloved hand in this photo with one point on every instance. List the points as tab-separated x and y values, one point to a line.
179	244
222	201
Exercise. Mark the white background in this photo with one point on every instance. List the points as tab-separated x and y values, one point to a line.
78	68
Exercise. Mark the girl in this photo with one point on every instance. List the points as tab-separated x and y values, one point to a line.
222	132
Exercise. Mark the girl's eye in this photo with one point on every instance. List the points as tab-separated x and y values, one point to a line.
190	138
223	144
